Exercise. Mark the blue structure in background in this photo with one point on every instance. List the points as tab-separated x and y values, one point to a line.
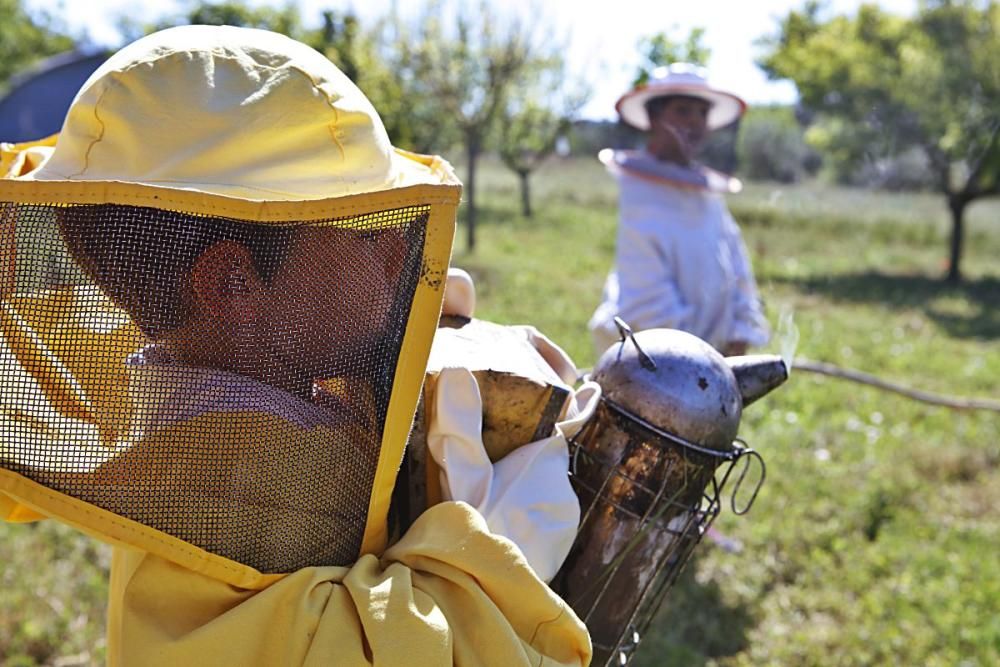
38	99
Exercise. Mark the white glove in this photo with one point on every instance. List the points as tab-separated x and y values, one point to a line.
526	496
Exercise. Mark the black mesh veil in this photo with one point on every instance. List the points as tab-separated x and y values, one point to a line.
223	381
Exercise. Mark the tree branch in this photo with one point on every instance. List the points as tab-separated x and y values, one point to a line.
980	161
953	402
940	164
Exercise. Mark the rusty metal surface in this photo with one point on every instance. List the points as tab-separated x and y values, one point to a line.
644	508
649	469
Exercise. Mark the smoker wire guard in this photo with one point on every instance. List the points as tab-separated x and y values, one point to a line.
699	518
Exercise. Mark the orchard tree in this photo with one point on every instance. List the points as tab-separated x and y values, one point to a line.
880	85
538	112
528	135
465	60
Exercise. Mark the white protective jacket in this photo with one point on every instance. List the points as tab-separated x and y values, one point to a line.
680	263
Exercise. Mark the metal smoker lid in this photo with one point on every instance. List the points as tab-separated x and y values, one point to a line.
677	382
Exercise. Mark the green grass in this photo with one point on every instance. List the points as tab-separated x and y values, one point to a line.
875	538
53	595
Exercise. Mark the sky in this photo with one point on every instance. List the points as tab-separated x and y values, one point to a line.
602	36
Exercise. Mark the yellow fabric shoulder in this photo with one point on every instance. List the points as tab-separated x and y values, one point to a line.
218	293
22	158
448	593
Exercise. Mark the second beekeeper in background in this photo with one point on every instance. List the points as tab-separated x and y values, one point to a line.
680	261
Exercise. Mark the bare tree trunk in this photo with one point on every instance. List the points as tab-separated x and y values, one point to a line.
957	204
472	154
525	176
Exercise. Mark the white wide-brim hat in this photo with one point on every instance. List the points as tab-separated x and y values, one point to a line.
679	79
230	111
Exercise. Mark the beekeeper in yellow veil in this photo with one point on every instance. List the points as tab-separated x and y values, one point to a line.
218	290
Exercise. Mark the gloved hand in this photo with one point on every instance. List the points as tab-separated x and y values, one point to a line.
459	294
525	496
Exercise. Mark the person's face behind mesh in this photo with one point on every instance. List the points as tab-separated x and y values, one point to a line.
320	314
330	300
678	126
283	305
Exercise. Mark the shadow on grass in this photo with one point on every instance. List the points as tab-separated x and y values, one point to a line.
981	319
694	625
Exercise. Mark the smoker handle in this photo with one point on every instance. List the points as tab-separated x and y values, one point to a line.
748	456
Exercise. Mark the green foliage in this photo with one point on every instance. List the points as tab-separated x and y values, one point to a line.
468	67
286	20
842	63
847	70
528	135
772	146
538	111
26	38
663	48
54	584
881	85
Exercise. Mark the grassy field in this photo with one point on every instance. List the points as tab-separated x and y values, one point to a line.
875	538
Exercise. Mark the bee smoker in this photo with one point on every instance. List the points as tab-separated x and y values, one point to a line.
649	469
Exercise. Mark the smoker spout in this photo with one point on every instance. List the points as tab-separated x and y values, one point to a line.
757	374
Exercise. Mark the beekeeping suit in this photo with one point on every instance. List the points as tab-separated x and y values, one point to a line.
680	260
219	289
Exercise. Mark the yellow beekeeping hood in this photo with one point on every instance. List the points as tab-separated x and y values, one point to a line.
187	141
